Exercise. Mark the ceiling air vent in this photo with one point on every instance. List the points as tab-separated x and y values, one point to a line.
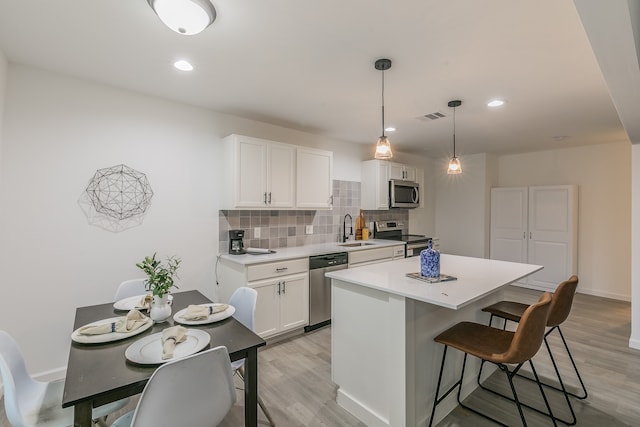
432	116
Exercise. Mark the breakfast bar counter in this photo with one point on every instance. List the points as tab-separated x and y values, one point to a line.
384	360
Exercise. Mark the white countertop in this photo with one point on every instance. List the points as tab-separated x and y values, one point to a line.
477	277
308	250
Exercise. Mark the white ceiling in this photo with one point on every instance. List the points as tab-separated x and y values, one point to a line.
309	66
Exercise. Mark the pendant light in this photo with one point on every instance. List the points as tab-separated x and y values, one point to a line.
184	16
383	147
454	163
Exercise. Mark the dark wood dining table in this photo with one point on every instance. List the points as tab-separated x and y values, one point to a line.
99	373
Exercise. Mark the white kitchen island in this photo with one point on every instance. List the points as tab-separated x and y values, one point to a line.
384	360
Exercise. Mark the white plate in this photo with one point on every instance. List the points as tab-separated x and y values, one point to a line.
112	336
129	303
212	317
148	350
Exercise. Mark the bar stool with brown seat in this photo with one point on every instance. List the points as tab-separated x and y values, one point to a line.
500	347
561	302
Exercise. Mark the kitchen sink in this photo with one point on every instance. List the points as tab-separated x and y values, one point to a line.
353	245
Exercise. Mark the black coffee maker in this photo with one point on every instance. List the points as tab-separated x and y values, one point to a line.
236	245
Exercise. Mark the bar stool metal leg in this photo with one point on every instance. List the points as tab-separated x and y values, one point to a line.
509	374
540	384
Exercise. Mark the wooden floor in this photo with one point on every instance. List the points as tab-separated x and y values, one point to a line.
295	376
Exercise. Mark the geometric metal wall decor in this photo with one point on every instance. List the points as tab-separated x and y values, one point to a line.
116	198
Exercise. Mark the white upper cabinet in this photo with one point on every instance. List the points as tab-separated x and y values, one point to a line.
374	189
314	179
375	181
266	174
280	176
261	173
402	172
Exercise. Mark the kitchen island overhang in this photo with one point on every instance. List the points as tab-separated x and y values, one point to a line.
384	360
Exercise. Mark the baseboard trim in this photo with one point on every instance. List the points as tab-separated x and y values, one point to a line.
45	376
360	410
634	343
52	375
603	294
595	293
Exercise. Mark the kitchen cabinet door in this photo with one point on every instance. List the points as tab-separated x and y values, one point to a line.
251	173
281	176
294	302
261	174
375	185
314	179
266	322
402	172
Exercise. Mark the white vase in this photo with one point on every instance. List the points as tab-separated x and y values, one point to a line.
161	308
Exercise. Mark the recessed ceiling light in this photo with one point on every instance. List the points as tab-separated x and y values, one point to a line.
390	129
560	138
495	103
183	65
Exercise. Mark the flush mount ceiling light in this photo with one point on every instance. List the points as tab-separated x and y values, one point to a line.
184	16
183	65
495	103
383	147
454	163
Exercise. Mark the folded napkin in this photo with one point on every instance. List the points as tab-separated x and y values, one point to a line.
202	312
145	302
133	320
170	337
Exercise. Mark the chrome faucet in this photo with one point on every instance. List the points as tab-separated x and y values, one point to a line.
345	236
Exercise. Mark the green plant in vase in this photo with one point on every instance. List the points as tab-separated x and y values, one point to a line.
160	277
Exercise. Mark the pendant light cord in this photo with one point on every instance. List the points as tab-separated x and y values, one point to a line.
454	132
382	102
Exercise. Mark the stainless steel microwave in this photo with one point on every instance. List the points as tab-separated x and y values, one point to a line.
404	194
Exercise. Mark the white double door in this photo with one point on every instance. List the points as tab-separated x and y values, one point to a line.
536	225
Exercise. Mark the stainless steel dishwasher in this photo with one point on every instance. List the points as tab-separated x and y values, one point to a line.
320	287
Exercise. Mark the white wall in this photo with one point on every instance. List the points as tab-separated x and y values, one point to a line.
634	340
603	175
461	210
4	66
422	220
58	131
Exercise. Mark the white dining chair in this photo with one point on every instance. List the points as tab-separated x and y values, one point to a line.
130	288
194	391
32	403
244	300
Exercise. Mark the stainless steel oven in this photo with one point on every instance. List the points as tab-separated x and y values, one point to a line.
416	246
395	230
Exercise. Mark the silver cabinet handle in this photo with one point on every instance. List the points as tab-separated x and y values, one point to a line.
284	287
524	234
269	197
280	269
278	288
530	235
265	197
331	200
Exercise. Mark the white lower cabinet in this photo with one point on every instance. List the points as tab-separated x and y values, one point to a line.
283	292
283	304
376	255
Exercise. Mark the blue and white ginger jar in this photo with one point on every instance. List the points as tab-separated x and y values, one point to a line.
430	262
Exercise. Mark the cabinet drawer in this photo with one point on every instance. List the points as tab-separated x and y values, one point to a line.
275	269
398	252
357	257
